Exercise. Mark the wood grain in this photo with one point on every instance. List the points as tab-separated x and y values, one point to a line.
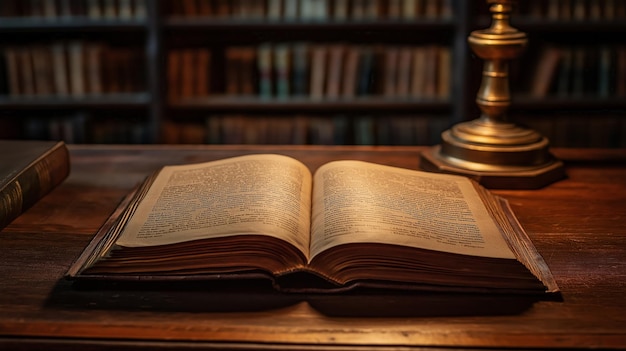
577	225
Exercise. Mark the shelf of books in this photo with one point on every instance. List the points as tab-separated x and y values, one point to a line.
311	10
19	13
69	69
358	65
333	72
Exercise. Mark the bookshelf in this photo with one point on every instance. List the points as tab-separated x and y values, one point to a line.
342	73
298	71
77	70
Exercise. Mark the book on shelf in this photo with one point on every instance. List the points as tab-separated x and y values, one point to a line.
29	170
69	9
41	56
319	66
579	67
77	65
349	74
72	68
574	71
390	68
340	10
317	70
546	70
300	69
564	76
173	74
283	66
444	74
404	72
620	69
274	9
350	224
188	73
310	10
365	127
366	71
265	67
577	10
203	72
410	129
334	75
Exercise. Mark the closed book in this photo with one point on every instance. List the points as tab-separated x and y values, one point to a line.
265	68
173	75
77	68
300	69
319	56
11	56
28	171
349	80
336	54
27	76
60	75
282	67
546	70
42	69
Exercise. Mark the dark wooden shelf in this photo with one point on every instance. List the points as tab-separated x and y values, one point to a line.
573	26
309	105
107	101
551	103
229	31
526	23
208	23
68	24
158	34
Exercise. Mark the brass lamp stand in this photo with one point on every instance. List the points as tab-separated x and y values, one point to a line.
497	153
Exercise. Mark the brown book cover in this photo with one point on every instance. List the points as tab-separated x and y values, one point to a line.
444	65
319	64
28	171
11	55
430	71
248	77
390	71
60	75
404	72
349	78
418	74
546	71
25	66
188	73
233	70
173	75
42	69
76	55
203	72
336	59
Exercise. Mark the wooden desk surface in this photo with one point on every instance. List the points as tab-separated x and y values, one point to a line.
578	225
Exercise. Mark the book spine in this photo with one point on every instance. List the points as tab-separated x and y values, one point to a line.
33	183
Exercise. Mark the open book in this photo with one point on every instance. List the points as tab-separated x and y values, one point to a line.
350	224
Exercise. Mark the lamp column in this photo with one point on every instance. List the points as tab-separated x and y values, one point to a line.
497	153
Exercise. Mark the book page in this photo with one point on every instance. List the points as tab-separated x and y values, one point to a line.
359	202
256	194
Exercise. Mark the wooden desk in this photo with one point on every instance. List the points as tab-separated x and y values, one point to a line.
578	225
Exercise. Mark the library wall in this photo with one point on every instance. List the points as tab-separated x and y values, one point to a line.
373	72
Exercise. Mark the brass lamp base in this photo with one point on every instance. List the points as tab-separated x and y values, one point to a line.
495	152
493	176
